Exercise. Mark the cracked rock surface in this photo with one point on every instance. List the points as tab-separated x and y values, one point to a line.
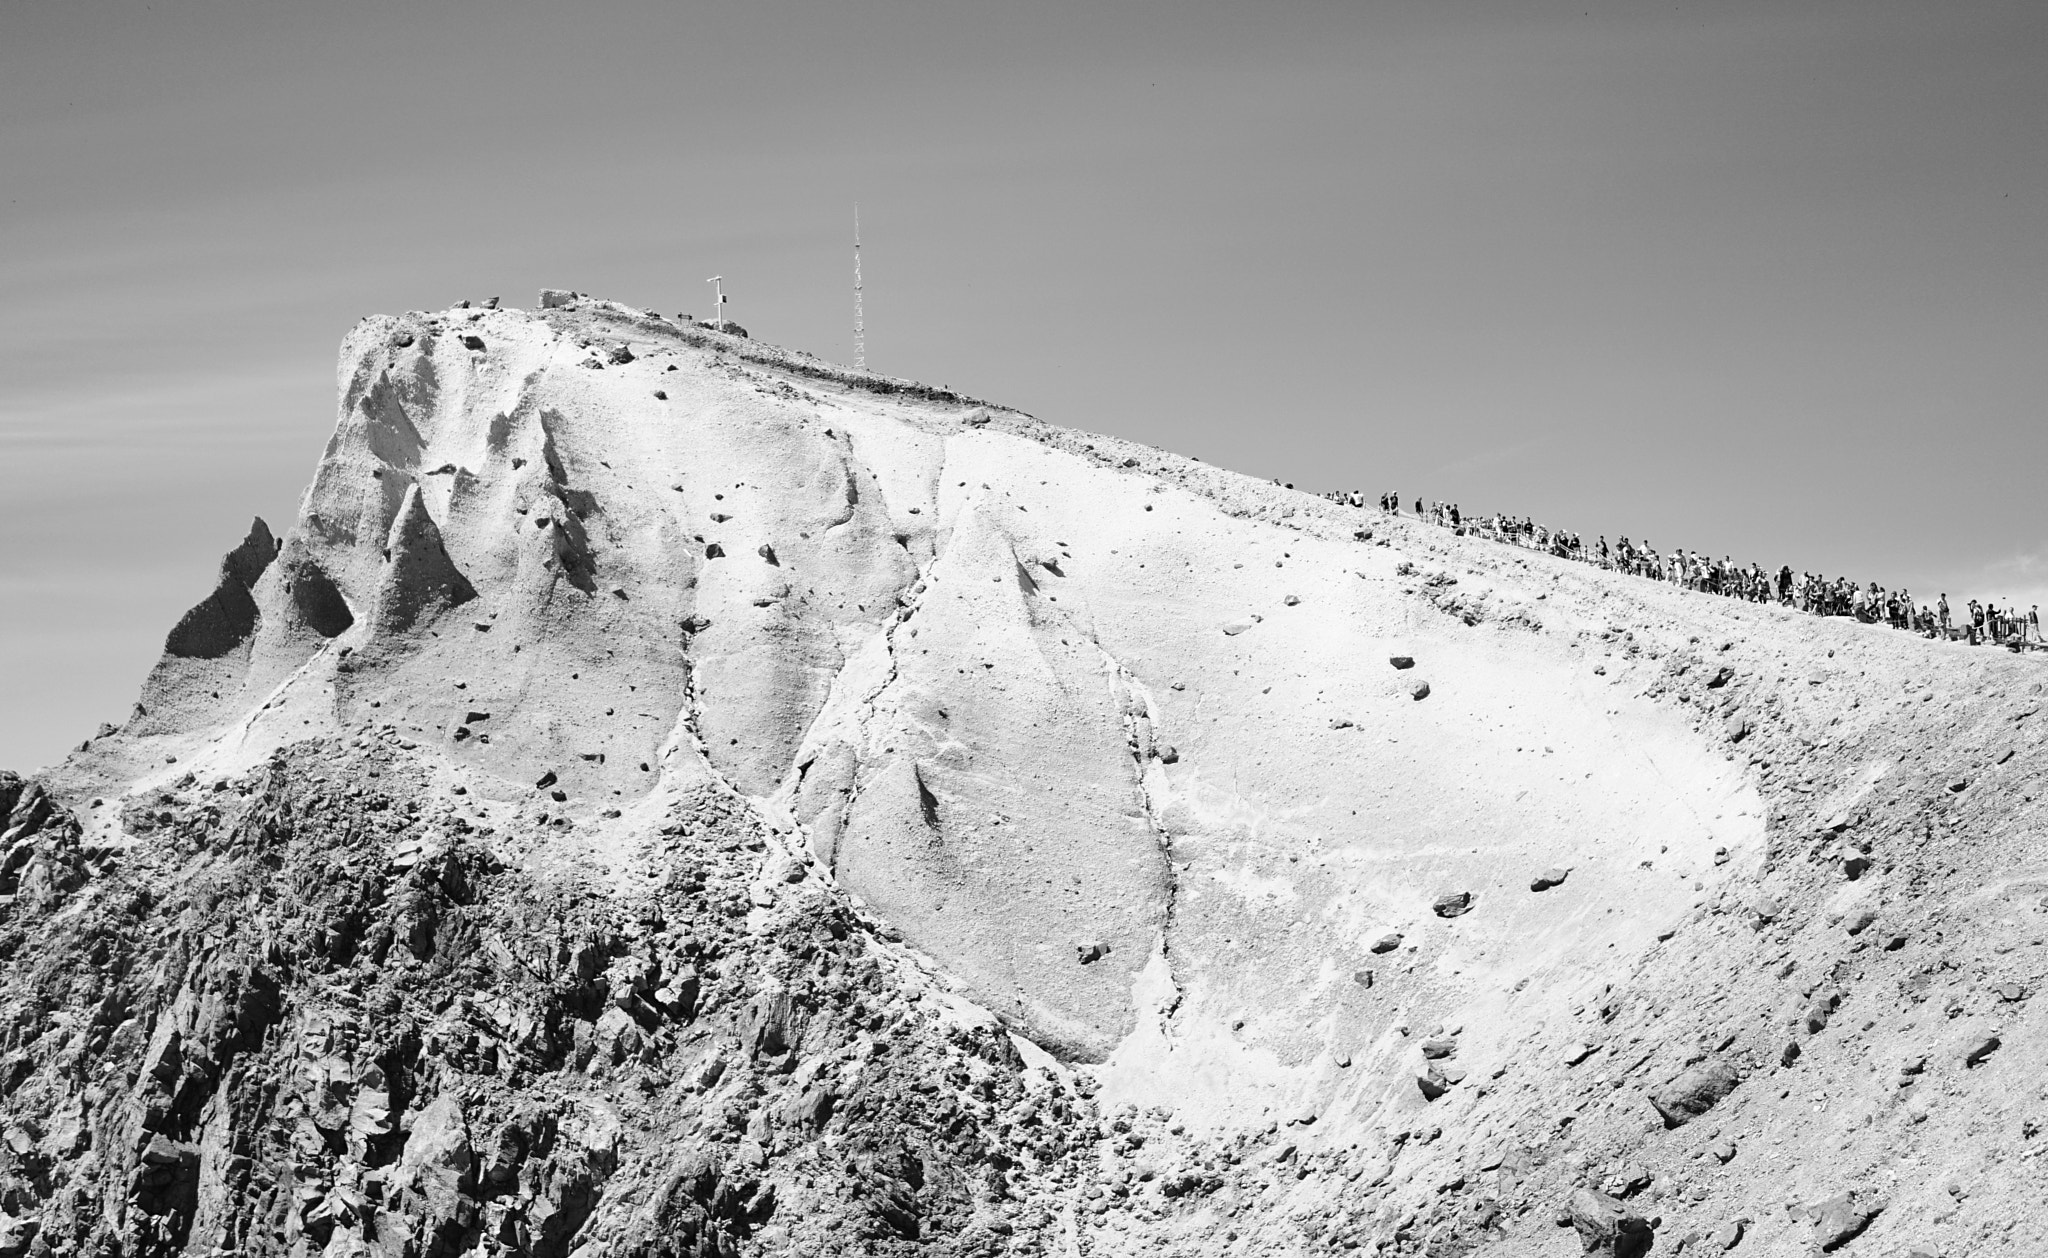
667	795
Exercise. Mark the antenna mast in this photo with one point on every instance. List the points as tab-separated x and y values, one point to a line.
860	335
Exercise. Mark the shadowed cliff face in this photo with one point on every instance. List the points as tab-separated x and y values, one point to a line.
1287	822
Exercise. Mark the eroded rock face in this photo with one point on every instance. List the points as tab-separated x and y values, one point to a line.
666	795
317	1008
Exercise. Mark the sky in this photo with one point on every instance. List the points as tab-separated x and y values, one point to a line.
1759	279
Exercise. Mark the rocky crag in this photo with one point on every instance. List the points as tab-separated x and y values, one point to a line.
667	795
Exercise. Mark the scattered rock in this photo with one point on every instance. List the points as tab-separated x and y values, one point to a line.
1608	1226
1401	661
1386	943
1452	904
1978	1049
1091	952
1837	1221
1694	1092
1419	691
1817	1013
1551	877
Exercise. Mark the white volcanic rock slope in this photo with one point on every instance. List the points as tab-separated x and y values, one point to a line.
1113	736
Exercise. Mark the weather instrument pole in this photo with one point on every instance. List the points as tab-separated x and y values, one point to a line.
717	283
860	334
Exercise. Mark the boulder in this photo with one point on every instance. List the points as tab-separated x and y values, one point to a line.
1607	1226
1694	1092
814	1107
1837	1221
770	1025
1453	904
16	1235
438	1164
1551	877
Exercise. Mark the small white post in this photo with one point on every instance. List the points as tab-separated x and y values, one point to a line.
717	283
860	336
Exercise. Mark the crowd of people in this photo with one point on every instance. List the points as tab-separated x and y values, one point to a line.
1976	623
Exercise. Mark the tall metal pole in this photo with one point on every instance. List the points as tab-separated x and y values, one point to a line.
860	336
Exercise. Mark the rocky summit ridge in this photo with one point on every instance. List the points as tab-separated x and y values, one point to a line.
669	795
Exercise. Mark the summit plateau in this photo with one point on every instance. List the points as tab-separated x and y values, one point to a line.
670	795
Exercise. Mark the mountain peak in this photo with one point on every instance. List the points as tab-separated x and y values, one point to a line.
1272	832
